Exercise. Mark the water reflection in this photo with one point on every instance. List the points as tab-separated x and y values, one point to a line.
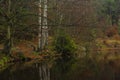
33	72
95	66
61	68
38	71
44	71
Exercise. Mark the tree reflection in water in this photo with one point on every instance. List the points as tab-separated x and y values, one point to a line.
44	71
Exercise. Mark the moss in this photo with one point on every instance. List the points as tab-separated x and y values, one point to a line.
4	60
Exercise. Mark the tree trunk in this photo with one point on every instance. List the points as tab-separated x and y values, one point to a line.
8	44
40	26
43	28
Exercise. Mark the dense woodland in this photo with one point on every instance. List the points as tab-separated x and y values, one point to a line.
83	31
89	23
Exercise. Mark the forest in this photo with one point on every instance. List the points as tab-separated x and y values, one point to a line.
59	39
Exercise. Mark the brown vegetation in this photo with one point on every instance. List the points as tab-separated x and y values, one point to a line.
112	31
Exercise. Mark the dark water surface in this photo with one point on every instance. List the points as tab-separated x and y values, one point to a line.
46	70
63	69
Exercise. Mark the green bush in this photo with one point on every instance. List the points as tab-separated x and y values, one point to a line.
4	60
64	45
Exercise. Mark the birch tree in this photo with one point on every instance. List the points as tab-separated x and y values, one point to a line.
43	28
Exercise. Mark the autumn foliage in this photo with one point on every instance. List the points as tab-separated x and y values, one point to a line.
112	31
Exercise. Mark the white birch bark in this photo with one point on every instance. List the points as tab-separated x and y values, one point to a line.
40	24
43	28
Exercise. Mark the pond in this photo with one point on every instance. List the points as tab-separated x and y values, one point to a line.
63	69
